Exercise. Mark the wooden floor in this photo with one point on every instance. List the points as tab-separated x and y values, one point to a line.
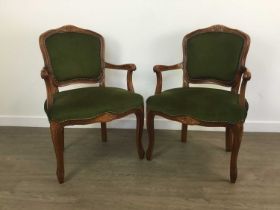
110	176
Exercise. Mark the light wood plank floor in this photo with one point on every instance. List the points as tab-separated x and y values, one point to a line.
110	176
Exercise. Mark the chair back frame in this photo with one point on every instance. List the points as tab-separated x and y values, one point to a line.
217	28
47	61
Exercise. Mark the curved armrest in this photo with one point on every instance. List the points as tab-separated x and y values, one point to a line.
158	69
129	68
245	78
51	89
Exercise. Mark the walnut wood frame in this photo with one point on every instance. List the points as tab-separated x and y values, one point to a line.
52	87
234	132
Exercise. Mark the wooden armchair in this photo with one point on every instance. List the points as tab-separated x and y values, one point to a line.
212	55
74	55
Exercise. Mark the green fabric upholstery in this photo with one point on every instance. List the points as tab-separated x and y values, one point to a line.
214	55
90	102
74	55
205	104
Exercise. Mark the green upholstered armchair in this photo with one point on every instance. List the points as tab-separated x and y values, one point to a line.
212	55
75	55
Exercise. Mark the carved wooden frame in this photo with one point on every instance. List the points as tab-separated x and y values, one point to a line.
233	131
67	29
218	28
52	85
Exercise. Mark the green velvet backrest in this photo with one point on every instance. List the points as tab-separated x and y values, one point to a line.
74	55
213	55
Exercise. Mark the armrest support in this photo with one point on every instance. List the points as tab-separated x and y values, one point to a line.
245	78
158	69
129	68
51	89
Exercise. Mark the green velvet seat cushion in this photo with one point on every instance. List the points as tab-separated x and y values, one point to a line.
90	102
74	55
214	55
205	104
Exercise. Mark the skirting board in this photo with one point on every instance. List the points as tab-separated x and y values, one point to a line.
130	122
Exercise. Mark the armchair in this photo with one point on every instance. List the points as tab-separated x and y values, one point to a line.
74	55
216	55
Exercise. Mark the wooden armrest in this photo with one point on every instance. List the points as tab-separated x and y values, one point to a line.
44	73
129	67
246	76
51	89
158	69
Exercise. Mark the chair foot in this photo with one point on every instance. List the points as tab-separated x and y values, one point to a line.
237	137
151	134
149	155
233	177
141	155
60	176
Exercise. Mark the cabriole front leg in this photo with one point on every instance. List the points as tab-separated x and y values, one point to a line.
237	137
139	131
57	133
229	139
151	134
